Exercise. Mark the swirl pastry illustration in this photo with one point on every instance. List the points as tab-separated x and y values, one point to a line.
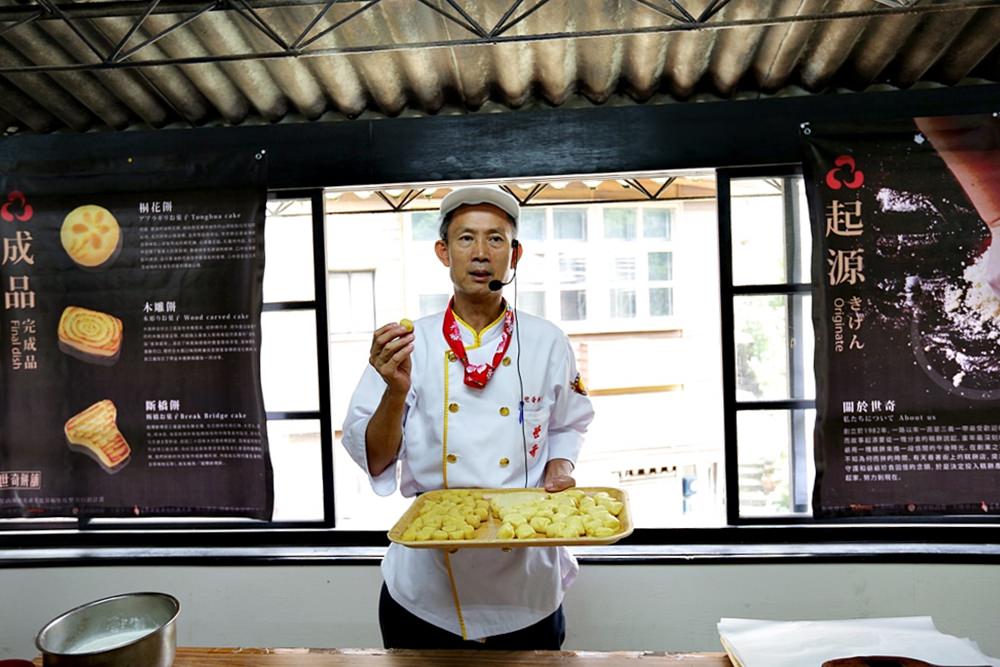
91	236
89	335
94	432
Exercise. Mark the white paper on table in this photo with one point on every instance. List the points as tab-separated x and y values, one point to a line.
757	643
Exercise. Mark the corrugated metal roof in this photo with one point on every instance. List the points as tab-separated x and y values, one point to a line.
105	64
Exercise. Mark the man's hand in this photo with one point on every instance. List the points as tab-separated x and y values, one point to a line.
558	475
392	345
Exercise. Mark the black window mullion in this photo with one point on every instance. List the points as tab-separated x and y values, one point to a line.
323	352
724	208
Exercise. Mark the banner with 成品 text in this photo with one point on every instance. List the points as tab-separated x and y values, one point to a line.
130	370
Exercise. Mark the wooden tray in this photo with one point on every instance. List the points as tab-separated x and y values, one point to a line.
486	534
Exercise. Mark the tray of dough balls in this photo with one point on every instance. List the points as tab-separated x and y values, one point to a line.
459	518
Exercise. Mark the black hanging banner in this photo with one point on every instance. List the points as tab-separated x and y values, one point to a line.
906	229
130	377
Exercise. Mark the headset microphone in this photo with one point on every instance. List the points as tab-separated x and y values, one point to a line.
497	285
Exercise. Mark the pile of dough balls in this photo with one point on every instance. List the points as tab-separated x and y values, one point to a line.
452	516
458	514
565	515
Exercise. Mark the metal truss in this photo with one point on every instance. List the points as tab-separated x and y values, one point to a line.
624	190
110	54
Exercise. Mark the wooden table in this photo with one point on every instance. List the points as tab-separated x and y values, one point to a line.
252	657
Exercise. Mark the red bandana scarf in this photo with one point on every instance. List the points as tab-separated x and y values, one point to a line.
476	375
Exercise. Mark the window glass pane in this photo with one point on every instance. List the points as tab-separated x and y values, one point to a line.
570	223
424	226
531	225
758	232
288	366
288	249
775	461
675	475
804	270
661	301
623	268
532	302
572	269
298	469
623	303
656	223
769	365
661	266
573	305
350	301
433	303
619	223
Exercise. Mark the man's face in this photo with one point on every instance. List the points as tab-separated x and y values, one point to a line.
478	248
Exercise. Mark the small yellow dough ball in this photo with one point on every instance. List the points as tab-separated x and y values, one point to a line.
505	532
603	531
439	535
516	520
538	523
524	531
614	507
406	324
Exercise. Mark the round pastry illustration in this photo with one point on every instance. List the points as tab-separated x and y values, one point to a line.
91	236
90	335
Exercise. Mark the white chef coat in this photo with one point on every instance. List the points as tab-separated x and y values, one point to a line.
456	436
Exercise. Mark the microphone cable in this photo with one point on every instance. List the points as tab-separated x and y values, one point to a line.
517	364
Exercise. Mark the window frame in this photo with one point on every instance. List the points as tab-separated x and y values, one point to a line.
618	140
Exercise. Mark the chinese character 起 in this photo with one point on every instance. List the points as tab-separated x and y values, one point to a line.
844	219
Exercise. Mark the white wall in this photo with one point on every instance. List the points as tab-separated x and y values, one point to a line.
623	607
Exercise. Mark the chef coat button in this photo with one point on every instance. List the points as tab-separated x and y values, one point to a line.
506	361
504	462
453	407
452	458
504	411
452	356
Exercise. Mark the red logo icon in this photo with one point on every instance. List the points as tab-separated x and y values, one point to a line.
533	450
22	211
839	177
537	432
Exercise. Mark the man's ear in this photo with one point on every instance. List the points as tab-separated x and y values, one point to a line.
441	250
515	256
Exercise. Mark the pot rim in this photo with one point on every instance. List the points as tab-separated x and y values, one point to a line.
170	598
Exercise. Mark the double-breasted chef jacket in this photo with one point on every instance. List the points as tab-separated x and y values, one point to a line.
457	436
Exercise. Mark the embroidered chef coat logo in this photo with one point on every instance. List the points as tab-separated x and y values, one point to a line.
534	450
578	385
536	433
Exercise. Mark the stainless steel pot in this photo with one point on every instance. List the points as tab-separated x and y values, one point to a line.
130	630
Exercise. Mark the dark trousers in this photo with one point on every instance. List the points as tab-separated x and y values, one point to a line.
401	629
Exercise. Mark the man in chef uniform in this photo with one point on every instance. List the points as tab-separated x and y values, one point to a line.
474	397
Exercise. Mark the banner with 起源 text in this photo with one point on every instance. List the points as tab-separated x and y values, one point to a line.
130	370
906	265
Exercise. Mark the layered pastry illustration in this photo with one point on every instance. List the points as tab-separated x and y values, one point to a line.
90	335
94	432
91	236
